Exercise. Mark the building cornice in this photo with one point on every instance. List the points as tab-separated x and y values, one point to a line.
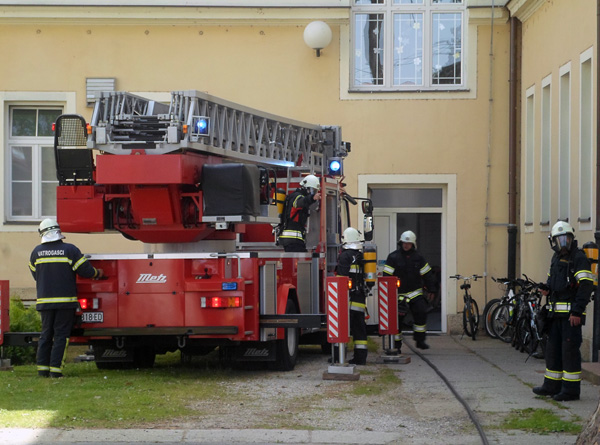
483	16
169	15
185	3
523	9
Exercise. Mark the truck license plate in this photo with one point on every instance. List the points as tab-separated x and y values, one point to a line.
92	317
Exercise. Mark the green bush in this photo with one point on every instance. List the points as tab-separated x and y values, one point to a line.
22	319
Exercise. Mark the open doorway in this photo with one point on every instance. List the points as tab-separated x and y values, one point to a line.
428	228
420	210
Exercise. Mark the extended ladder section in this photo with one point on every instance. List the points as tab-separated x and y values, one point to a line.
123	122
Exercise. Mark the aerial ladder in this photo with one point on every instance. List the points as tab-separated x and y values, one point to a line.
196	182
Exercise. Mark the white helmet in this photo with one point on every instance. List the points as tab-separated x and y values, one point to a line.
311	181
559	236
49	230
351	239
408	237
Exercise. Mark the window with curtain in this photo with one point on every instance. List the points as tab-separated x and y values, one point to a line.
408	44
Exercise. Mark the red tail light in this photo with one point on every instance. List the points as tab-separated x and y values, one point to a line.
225	302
83	302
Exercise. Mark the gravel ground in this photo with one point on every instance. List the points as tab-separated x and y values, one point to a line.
381	400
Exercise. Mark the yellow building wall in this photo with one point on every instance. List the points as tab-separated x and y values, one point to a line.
265	64
549	42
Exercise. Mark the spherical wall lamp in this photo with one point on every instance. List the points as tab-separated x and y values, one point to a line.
317	35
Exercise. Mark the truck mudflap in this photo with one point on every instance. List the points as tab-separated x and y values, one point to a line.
255	352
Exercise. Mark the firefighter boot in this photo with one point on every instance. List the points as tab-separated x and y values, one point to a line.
419	338
360	357
541	391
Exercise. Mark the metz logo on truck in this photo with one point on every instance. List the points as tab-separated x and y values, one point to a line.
148	278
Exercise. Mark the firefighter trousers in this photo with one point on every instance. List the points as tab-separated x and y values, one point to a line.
54	340
563	358
418	308
358	330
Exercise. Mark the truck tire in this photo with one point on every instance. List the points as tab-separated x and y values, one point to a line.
143	357
287	349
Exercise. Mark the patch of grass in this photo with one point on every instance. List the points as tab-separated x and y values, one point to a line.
89	398
539	421
380	383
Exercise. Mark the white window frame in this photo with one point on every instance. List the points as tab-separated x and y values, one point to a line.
388	9
529	179
65	101
546	155
586	139
564	142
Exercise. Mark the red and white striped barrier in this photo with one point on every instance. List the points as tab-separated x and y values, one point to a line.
338	317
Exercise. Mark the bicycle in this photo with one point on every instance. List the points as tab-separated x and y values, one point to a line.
471	310
503	319
491	324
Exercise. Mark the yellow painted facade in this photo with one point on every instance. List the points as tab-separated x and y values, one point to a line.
558	45
456	140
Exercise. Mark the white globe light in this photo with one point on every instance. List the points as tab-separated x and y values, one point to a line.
317	35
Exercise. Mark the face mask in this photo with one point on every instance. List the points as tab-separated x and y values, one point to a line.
562	242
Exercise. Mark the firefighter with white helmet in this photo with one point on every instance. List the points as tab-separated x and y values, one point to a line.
569	288
296	213
351	264
416	276
54	265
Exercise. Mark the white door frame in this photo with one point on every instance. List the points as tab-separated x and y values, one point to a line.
448	230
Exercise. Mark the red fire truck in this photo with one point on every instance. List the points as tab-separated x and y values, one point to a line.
196	182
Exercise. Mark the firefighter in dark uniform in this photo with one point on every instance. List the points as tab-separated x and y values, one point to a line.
416	276
350	264
570	285
53	265
296	212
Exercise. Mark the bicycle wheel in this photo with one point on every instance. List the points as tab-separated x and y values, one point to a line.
527	341
501	319
488	311
471	318
474	319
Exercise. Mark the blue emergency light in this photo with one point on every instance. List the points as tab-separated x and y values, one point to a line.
335	167
200	126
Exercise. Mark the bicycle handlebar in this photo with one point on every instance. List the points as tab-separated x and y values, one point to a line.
460	277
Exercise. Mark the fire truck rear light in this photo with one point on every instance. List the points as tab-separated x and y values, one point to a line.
96	303
185	129
398	284
88	127
229	286
220	302
53	127
83	303
350	284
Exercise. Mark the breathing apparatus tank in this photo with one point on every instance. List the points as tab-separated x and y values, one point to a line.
370	264
591	252
280	199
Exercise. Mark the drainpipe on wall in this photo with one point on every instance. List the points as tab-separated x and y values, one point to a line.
515	47
596	333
